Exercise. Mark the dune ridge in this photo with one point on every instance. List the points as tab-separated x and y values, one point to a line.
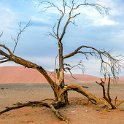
20	74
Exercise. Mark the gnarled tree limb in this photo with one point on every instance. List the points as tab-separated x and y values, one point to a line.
11	57
86	93
35	104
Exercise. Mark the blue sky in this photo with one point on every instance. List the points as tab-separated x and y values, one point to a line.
102	32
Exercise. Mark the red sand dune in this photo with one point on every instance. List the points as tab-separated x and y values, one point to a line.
19	74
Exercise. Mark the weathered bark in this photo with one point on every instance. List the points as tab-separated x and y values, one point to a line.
61	64
63	97
86	93
29	64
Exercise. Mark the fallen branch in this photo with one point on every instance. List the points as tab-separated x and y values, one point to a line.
21	105
35	104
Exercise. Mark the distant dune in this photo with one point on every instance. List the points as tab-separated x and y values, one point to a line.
19	74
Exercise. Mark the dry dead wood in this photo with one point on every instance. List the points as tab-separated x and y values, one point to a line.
36	104
92	98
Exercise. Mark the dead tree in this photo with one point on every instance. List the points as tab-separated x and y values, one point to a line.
108	62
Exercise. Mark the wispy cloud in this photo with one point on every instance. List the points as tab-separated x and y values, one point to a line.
104	22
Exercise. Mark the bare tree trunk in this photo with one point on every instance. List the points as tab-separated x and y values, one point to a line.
64	97
61	64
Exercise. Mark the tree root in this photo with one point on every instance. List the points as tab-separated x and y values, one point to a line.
37	104
57	113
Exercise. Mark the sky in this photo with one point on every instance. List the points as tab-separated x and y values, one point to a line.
93	29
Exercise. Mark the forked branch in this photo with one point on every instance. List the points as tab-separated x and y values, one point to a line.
106	96
68	13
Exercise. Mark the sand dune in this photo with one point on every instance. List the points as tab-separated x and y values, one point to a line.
19	74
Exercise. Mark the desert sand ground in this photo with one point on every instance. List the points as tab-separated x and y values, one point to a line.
77	112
